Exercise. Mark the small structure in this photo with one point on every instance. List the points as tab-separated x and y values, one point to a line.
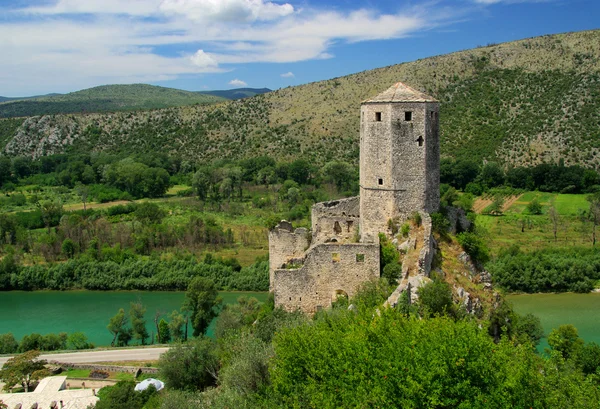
48	393
399	175
145	384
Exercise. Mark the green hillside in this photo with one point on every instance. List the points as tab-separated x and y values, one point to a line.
523	102
105	98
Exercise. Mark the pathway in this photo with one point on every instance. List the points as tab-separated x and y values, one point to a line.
108	355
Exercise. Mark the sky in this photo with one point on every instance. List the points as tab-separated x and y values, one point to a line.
60	46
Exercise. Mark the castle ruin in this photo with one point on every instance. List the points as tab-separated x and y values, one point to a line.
399	175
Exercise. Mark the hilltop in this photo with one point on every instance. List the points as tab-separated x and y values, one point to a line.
237	93
102	99
522	102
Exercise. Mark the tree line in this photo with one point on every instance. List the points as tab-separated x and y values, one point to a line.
134	274
472	177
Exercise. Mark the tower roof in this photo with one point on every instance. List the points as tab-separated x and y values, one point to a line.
400	92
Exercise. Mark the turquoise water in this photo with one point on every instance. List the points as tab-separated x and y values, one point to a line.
88	311
581	310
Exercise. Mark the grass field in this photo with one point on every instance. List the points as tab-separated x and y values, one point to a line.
532	232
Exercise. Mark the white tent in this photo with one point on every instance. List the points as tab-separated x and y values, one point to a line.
142	386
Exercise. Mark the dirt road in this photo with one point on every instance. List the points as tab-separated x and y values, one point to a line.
109	355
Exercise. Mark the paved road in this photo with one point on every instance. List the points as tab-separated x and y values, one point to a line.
112	355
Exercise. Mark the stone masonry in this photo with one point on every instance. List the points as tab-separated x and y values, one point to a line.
399	175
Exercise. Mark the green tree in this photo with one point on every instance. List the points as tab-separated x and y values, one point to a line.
78	340
534	207
69	248
8	344
138	322
163	335
435	297
117	325
149	213
51	213
189	366
203	302
123	395
593	214
565	339
23	369
176	321
392	272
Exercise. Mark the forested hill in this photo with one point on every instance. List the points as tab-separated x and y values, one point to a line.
523	102
104	98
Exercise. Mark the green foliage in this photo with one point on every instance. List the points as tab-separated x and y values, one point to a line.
149	213
367	360
392	272
474	245
435	298
372	294
176	323
138	322
534	207
439	223
78	340
23	369
117	325
387	252
189	366
8	344
203	302
530	326
164	335
123	395
565	340
405	229
48	342
551	270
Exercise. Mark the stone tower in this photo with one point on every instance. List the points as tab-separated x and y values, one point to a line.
399	157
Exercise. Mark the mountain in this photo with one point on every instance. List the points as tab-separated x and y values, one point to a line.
522	102
6	99
104	98
237	93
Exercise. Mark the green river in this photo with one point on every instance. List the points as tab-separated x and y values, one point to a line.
88	311
581	310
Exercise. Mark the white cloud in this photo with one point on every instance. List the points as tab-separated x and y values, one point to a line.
238	83
203	60
288	74
55	49
227	10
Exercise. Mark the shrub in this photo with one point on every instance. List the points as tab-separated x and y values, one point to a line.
98	374
474	246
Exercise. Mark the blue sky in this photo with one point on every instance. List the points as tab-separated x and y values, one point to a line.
67	45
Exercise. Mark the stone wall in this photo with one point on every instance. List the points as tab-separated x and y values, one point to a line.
329	270
286	245
336	221
428	250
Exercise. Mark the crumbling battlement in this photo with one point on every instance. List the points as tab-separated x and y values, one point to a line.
336	221
286	245
330	270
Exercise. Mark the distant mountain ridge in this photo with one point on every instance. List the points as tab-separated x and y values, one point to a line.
104	98
237	93
525	102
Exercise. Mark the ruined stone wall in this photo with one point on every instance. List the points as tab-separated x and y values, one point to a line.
428	250
399	162
286	245
328	270
336	221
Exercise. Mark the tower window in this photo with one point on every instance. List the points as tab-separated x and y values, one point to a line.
377	116
335	257
420	140
408	116
337	229
380	181
432	114
360	258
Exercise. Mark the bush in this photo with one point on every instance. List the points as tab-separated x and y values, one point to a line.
392	272
98	374
474	246
189	366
